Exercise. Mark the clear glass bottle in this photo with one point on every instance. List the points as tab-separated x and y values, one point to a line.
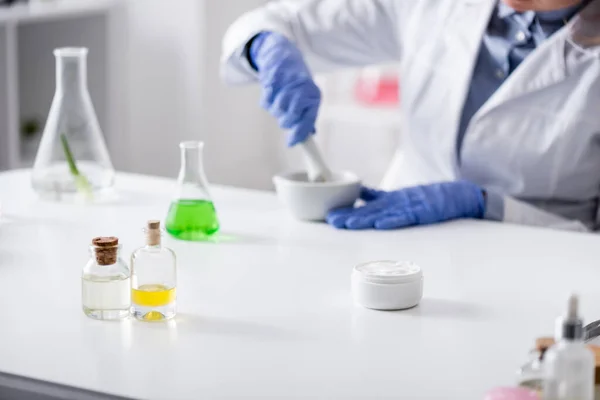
192	214
569	366
154	278
106	283
72	160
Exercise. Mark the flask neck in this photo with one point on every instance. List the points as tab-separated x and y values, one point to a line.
71	70
192	170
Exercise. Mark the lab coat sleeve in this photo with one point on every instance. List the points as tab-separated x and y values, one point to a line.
330	33
509	209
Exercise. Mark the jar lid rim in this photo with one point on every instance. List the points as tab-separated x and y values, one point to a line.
389	271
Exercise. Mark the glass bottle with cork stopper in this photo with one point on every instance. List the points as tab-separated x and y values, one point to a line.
105	280
154	278
531	375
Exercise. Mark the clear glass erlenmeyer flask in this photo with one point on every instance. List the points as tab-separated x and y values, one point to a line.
192	215
72	159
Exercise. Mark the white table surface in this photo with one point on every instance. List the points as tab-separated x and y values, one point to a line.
267	311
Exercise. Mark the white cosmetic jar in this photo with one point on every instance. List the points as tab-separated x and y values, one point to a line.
387	285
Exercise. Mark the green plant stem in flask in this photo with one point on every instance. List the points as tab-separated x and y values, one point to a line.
192	219
192	214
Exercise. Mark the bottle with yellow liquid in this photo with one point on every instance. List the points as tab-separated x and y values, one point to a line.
153	279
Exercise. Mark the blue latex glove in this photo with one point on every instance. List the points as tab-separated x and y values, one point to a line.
417	205
289	92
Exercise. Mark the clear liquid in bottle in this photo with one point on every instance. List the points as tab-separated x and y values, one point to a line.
105	297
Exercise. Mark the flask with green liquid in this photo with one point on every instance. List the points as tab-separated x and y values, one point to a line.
192	214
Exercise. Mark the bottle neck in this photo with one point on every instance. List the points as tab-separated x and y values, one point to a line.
106	256
153	238
572	331
191	164
71	73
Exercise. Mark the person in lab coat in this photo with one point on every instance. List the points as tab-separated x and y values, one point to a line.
501	101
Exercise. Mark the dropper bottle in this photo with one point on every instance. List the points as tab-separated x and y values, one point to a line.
569	366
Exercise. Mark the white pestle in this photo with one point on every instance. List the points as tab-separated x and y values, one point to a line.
315	166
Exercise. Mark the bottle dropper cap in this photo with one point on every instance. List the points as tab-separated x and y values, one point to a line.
572	325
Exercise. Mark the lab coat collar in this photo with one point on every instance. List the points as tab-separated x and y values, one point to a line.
544	67
465	29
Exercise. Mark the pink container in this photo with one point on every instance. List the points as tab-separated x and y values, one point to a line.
508	393
378	86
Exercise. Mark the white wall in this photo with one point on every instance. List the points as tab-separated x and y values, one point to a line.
175	94
163	82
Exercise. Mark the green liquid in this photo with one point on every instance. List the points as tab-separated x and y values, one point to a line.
194	220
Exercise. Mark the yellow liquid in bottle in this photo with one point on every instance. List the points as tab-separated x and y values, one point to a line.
153	295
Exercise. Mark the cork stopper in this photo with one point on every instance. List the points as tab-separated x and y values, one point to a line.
544	343
153	233
154	224
105	249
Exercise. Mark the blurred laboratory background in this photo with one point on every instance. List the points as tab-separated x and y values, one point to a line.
153	75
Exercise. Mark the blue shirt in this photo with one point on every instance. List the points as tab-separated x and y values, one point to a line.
510	37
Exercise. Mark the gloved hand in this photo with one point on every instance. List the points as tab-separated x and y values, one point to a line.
417	205
289	92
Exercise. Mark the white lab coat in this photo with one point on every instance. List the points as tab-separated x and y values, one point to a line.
536	141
